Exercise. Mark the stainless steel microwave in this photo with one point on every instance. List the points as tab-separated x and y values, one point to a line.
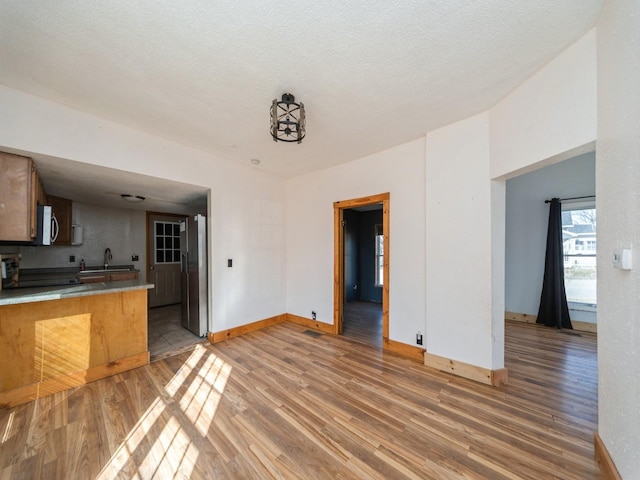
48	228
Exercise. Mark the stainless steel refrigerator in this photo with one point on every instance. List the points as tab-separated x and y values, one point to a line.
193	274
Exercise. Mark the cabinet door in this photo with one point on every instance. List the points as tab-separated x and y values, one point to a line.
89	278
62	210
114	277
36	198
17	208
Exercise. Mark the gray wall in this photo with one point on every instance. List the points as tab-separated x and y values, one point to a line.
351	258
526	228
359	256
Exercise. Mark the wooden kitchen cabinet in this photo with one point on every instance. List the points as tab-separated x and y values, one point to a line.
20	193
62	210
51	346
107	277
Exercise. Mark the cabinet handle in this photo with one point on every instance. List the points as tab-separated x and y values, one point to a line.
55	229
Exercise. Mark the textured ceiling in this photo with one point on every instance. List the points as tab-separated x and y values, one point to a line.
372	74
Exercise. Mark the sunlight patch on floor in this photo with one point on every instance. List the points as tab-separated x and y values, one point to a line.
185	370
158	446
172	452
7	431
200	402
126	450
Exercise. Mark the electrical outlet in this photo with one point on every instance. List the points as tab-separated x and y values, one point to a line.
134	258
419	338
72	258
313	315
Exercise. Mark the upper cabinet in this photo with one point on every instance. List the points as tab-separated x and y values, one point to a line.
20	193
61	208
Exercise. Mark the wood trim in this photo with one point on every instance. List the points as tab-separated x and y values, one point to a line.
528	318
359	202
584	326
25	394
520	317
603	459
483	375
223	335
338	259
313	324
386	341
338	269
405	350
499	377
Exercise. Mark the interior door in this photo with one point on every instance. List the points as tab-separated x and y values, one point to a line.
163	245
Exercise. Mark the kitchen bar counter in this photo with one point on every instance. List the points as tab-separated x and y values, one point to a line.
56	338
40	294
67	276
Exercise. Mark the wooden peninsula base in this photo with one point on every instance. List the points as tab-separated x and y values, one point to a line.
53	345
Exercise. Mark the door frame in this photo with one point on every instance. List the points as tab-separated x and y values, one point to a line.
338	259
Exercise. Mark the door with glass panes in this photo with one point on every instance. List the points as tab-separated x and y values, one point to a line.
164	259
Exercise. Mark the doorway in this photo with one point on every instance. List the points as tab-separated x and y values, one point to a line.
363	274
343	286
163	258
166	335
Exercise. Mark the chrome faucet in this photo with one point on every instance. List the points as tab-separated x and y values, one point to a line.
107	257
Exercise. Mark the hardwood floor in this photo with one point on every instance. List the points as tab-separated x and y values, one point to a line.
283	403
166	335
362	321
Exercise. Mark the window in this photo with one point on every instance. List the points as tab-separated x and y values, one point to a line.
379	265
579	248
167	242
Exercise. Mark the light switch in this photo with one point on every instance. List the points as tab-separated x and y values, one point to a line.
622	258
229	262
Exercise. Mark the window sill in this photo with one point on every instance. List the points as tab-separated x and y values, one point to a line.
583	307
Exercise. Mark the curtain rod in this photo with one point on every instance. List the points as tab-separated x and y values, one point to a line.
572	198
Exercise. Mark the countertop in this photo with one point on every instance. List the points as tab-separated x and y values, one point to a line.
67	272
41	294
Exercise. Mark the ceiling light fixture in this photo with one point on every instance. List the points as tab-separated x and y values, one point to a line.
287	119
132	198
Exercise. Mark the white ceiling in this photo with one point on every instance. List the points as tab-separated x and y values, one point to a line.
372	74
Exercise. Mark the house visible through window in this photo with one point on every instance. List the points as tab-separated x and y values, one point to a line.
379	256
579	248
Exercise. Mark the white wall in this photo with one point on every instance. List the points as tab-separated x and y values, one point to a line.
618	196
459	244
399	171
246	206
526	227
465	165
549	114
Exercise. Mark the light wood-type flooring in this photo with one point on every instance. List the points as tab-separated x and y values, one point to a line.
288	403
362	321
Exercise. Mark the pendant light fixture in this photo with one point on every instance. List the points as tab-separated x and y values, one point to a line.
287	119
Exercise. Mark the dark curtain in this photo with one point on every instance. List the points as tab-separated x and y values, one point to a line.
554	311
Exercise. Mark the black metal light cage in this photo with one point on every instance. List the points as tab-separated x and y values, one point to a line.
287	119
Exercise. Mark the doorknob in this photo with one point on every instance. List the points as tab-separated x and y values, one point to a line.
151	268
